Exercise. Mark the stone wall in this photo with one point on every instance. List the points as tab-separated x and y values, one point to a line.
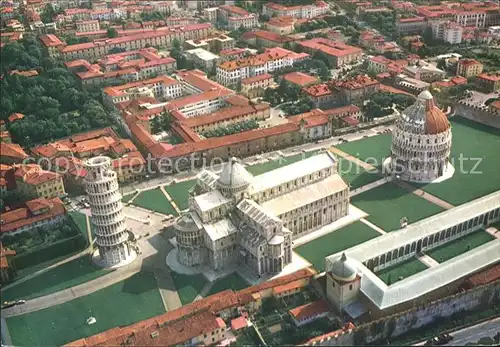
395	325
477	114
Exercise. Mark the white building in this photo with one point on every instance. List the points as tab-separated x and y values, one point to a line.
101	185
449	32
231	72
236	217
301	11
202	58
421	142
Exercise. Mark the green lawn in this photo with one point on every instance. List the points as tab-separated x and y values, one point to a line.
388	203
355	175
126	302
373	149
65	276
233	281
179	192
336	241
405	269
258	169
128	197
154	200
472	141
80	220
188	286
459	246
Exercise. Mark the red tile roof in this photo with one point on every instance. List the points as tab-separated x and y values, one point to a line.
318	90
484	277
239	323
337	49
257	78
309	310
224	114
340	111
288	287
15	116
493	77
13	151
50	40
16	219
300	78
317	339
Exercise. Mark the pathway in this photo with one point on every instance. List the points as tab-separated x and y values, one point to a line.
369	186
172	202
493	232
419	192
373	226
355	160
430	262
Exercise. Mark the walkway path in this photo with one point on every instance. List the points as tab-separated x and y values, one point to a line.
373	226
419	192
430	262
369	186
349	157
493	232
172	202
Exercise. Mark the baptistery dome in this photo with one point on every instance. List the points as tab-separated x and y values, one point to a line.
421	142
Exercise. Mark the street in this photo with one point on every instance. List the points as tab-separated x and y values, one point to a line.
473	333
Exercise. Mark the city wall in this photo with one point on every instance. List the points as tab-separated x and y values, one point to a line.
398	324
478	114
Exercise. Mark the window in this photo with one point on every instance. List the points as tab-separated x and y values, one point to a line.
350	286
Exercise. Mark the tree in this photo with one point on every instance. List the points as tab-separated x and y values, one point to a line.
48	13
111	32
264	18
166	120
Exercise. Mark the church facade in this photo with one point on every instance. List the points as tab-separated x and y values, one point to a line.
252	220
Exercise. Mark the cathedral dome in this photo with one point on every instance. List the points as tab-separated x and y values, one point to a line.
343	269
425	113
234	175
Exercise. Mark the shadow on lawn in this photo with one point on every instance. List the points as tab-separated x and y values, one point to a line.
138	284
384	193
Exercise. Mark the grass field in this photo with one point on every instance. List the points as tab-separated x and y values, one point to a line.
355	175
388	203
65	276
405	269
372	149
459	246
233	281
477	144
154	200
188	286
336	241
258	169
179	193
126	302
80	220
127	197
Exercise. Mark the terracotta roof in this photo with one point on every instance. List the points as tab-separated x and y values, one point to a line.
288	287
239	323
318	90
195	98
34	174
187	134
142	135
15	219
489	275
257	78
337	49
224	114
15	116
300	78
411	19
4	253
297	275
493	77
28	73
309	310
122	89
339	111
317	339
357	82
13	151
389	89
131	159
234	10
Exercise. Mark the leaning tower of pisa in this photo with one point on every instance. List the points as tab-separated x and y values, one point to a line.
113	247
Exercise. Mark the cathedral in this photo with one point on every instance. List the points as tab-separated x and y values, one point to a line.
421	143
235	217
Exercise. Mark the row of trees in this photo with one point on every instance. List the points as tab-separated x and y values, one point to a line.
232	129
53	104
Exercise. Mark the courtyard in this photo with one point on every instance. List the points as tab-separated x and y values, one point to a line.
126	302
351	235
402	270
67	275
459	246
154	200
388	203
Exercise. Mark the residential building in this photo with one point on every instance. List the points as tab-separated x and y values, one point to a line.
425	72
233	54
282	25
338	53
11	153
355	90
210	14
230	73
410	26
34	182
449	32
255	86
319	8
87	26
315	124
162	38
469	68
266	211
233	17
300	79
202	58
321	96
489	82
37	213
7	268
308	313
51	44
266	39
215	43
122	67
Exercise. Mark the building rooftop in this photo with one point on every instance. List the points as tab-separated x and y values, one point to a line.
300	78
309	310
333	48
